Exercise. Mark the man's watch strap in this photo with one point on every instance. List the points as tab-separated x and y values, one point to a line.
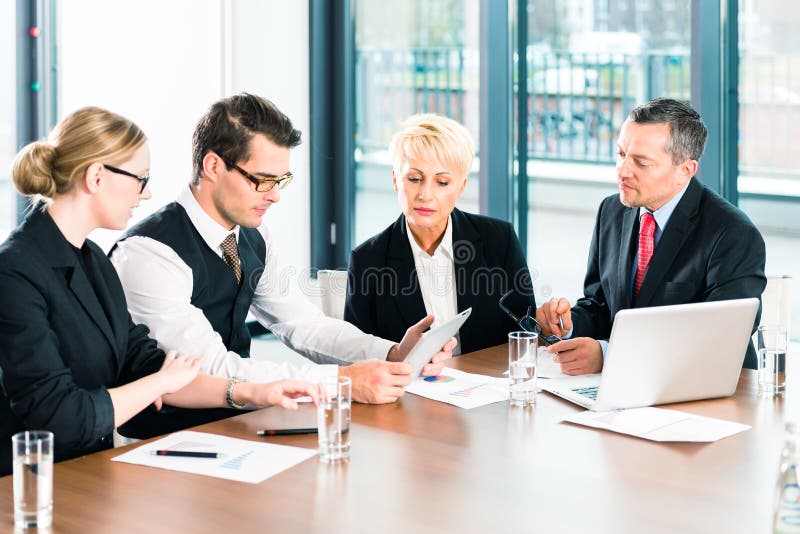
232	381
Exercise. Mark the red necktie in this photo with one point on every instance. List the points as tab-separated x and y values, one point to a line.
647	229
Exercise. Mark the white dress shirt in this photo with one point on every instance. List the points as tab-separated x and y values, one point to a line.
158	288
436	274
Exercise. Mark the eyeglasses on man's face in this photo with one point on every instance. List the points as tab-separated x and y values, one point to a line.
263	184
142	179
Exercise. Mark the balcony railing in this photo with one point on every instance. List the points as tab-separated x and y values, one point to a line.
576	101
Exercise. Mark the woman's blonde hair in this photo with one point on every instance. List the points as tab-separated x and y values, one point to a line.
52	167
427	136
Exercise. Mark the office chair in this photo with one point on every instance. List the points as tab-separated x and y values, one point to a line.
333	285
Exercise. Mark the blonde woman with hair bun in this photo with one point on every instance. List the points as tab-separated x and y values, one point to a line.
436	259
72	360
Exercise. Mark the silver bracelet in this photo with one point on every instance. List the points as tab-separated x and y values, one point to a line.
229	392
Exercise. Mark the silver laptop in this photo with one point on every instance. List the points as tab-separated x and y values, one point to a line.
666	354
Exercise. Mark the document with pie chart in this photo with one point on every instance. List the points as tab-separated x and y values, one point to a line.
465	390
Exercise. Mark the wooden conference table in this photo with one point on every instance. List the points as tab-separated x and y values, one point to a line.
421	466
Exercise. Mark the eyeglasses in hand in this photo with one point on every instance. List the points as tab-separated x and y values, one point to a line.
527	322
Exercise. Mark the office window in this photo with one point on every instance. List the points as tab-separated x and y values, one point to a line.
411	57
588	63
769	131
8	116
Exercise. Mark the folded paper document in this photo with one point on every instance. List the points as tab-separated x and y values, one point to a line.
658	424
221	456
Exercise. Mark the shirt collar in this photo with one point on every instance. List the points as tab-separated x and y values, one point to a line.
662	214
446	246
210	230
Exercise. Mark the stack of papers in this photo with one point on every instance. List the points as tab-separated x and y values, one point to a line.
237	459
658	424
465	390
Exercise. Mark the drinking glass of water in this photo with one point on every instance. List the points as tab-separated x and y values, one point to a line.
333	418
773	342
33	478
522	349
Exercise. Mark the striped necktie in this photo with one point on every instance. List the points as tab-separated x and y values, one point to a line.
647	229
230	255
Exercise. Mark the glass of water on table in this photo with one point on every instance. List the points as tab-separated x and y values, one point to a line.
333	418
773	342
522	350
32	453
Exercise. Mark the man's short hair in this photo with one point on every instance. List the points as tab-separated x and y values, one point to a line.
428	136
687	133
231	123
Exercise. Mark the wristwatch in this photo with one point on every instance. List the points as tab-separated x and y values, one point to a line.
229	392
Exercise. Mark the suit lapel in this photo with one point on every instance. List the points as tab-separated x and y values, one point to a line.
628	237
468	257
680	226
63	260
84	292
249	262
400	260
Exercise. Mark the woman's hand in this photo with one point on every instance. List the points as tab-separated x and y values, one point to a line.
176	372
280	393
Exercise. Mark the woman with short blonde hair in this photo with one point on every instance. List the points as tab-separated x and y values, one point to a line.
436	259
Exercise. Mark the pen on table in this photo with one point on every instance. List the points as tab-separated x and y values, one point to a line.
185	454
286	431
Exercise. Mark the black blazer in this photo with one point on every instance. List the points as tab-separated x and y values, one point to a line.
709	251
65	336
384	297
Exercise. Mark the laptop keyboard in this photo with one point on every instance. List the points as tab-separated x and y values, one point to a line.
589	393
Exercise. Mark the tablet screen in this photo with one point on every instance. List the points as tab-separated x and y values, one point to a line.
433	340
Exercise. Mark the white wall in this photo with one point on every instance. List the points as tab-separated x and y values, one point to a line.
163	63
157	63
271	59
8	89
8	114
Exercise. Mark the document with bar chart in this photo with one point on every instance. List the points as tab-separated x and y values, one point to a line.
465	390
217	456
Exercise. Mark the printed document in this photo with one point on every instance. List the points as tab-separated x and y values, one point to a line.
545	366
465	390
658	424
237	459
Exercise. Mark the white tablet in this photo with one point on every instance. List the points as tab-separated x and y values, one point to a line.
433	340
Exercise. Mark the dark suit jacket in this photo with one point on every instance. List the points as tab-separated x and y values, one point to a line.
709	251
65	336
384	297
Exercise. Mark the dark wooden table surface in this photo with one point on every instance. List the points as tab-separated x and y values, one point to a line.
422	466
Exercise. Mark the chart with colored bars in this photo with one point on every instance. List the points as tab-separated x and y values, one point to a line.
236	463
466	392
439	378
237	459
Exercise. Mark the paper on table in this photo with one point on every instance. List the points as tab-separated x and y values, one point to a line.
658	424
465	390
546	367
240	459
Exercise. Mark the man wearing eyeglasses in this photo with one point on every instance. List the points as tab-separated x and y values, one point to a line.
193	270
664	239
